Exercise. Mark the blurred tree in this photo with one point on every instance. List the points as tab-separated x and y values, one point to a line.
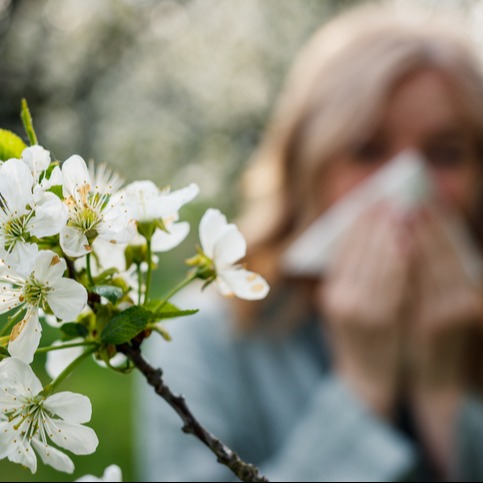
160	88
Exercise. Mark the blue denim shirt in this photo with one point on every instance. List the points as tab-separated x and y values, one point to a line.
274	400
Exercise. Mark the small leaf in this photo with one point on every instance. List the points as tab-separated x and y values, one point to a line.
28	123
126	325
11	146
4	352
73	330
163	333
58	191
170	311
113	294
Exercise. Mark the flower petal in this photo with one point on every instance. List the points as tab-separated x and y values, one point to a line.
25	456
25	337
21	257
50	217
16	183
74	242
89	479
169	204
67	299
229	248
53	457
49	268
9	298
110	255
212	225
117	226
7	438
37	159
75	177
245	284
162	241
140	198
117	361
112	474
78	439
71	407
17	373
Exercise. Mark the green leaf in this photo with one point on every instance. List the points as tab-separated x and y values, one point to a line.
58	191
113	294
28	123
126	325
73	330
11	146
4	352
170	311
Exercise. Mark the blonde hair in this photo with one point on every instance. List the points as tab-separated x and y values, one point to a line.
334	98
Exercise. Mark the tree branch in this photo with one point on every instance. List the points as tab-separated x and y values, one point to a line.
225	456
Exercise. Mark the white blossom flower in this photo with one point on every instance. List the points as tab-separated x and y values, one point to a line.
148	203
104	179
28	420
92	212
45	288
113	474
37	159
223	245
25	216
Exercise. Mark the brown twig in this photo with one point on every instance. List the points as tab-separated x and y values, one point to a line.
225	456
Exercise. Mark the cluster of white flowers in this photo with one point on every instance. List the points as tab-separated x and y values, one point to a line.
53	219
30	419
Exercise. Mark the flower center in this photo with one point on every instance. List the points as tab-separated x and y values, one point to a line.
86	213
34	293
205	266
15	230
27	419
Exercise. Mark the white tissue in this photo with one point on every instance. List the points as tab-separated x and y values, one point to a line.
405	182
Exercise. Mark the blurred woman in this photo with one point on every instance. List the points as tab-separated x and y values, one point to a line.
372	371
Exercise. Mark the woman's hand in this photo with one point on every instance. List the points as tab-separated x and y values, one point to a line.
447	305
362	299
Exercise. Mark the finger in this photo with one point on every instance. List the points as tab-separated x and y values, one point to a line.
387	267
442	281
437	252
353	256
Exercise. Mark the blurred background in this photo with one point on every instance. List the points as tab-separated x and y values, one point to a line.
169	90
